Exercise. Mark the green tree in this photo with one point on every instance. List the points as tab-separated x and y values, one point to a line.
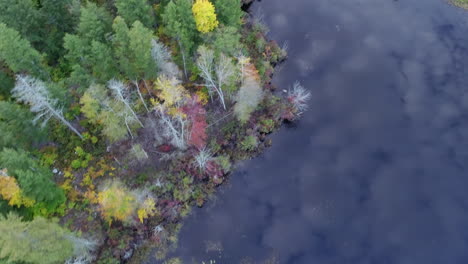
21	16
102	61
17	128
95	22
143	64
35	181
225	40
179	24
88	52
18	54
38	241
121	42
229	12
55	19
135	10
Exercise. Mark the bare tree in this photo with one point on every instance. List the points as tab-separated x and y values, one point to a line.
33	92
162	56
202	158
173	127
215	73
120	93
299	97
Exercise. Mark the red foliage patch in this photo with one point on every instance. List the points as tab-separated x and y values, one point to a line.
197	114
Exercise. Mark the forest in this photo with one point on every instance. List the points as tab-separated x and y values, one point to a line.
117	117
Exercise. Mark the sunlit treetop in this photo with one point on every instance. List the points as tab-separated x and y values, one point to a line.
205	16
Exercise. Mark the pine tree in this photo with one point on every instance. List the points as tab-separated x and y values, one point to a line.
18	54
17	127
95	22
34	180
34	93
39	241
229	12
135	10
179	24
21	16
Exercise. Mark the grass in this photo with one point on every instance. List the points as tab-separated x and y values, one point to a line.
461	3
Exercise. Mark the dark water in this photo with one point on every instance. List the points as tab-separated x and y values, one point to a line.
376	171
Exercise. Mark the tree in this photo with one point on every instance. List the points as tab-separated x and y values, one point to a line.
225	40
18	54
34	180
17	127
143	64
43	23
171	91
39	241
55	19
120	94
180	25
173	125
11	192
32	91
112	114
21	16
298	96
133	50
205	16
135	10
229	12
116	202
250	93
88	50
163	59
102	61
95	22
217	73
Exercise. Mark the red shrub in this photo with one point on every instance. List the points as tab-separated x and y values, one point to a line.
197	114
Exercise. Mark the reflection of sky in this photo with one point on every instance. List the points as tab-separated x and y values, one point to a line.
375	172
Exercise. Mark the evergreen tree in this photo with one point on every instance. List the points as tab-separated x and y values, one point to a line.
55	19
34	180
143	64
38	241
229	12
95	22
225	40
18	54
180	24
21	16
102	61
17	127
135	10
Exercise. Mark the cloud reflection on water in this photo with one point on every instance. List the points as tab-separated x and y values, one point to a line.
376	171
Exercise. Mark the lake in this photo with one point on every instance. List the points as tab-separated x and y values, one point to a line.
376	170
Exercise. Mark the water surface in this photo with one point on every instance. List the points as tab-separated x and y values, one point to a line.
376	171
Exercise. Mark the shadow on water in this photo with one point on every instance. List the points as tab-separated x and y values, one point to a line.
376	171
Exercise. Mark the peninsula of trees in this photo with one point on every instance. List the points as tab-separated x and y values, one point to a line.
117	117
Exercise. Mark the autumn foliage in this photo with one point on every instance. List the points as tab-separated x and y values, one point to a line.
197	114
205	16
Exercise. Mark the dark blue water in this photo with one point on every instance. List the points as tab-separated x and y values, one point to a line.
376	171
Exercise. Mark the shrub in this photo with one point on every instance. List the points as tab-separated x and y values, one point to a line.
249	143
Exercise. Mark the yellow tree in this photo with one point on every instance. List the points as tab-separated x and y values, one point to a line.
205	16
117	203
11	192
